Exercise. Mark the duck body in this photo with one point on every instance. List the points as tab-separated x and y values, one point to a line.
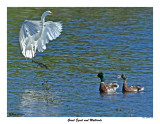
108	87
130	88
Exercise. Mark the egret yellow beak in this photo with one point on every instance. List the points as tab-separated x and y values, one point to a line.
52	13
96	76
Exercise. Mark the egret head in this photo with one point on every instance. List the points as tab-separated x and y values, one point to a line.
45	14
49	13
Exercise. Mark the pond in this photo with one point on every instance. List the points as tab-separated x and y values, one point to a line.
94	39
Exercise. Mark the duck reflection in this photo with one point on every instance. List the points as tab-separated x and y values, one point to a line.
107	94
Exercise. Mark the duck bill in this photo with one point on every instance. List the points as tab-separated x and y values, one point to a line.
96	76
119	76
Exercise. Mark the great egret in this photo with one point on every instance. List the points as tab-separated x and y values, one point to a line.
34	35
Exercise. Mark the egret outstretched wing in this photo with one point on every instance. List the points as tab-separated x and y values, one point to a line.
28	29
51	30
29	33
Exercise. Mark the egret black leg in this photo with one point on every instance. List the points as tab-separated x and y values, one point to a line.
40	64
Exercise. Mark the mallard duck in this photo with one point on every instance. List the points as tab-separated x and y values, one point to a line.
108	87
130	88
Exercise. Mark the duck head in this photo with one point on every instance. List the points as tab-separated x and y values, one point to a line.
122	76
101	76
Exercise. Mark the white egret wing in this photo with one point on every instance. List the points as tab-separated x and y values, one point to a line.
28	35
51	31
28	28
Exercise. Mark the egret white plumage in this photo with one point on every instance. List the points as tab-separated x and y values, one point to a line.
34	35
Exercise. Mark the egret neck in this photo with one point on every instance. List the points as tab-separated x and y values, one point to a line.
43	17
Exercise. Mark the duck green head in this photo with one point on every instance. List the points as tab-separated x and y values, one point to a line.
101	76
122	76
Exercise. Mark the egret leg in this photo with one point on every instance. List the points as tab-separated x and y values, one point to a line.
40	64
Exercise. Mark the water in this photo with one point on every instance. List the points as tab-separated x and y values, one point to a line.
111	40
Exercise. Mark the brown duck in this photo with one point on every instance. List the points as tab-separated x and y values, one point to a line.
108	87
130	88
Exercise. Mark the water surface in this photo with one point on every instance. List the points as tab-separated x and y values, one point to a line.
111	40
